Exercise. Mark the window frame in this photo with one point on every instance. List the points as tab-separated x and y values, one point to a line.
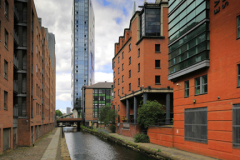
201	85
156	45
159	79
186	89
159	64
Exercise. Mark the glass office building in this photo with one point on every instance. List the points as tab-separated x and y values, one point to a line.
188	36
83	49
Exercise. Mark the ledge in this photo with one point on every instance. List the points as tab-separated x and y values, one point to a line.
150	37
195	67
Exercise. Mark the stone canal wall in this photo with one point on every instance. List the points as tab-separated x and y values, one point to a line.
134	146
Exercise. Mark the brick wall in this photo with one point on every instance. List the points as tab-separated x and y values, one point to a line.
133	129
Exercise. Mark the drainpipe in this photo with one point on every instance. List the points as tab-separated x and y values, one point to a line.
33	121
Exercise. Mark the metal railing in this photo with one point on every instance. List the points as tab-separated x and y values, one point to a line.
15	86
16	38
15	110
164	121
15	61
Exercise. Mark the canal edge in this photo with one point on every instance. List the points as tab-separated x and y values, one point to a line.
150	152
64	148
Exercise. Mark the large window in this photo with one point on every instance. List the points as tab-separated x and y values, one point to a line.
236	125
195	125
152	27
186	89
238	27
201	85
238	66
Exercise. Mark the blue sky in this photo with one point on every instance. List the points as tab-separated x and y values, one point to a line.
111	17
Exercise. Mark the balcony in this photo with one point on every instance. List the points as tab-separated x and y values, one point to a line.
16	39
15	110
15	86
16	14
15	61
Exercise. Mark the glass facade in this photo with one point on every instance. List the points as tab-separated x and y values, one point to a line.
83	49
150	21
188	33
101	97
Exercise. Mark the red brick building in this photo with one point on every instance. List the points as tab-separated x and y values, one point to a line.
140	66
28	85
204	65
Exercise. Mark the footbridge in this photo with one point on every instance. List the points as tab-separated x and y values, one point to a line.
78	121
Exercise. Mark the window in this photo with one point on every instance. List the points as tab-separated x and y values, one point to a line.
118	70
118	81
236	125
114	64
5	100
129	47
114	84
157	48
238	66
201	85
123	66
119	92
6	8
157	79
238	27
139	52
122	55
36	68
5	69
118	59
123	78
138	82
114	74
129	86
186	88
129	73
195	122
122	90
129	60
6	39
157	63
138	67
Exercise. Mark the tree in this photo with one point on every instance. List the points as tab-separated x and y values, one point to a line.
58	113
149	113
107	115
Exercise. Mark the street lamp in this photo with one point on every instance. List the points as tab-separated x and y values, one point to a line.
33	120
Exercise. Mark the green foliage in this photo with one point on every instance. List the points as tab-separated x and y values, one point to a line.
113	128
159	150
107	115
142	138
58	113
149	113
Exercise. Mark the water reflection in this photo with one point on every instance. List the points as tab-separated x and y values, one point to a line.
83	146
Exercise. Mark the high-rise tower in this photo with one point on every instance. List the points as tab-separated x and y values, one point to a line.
83	54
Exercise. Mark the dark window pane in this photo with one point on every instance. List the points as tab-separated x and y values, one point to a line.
157	79
157	47
157	63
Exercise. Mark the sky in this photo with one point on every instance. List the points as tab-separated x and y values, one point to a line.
111	18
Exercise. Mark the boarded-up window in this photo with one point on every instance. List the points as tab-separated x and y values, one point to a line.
195	123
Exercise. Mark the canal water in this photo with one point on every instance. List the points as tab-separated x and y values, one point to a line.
85	146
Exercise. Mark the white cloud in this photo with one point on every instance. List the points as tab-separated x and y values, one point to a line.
102	77
63	110
56	16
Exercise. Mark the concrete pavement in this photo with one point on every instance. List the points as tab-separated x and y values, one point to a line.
51	151
179	154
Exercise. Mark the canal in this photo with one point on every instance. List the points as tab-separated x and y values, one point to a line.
85	146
